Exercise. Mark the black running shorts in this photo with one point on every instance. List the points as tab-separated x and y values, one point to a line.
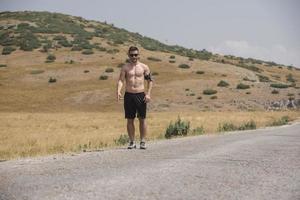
134	104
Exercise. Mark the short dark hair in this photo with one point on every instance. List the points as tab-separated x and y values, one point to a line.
132	48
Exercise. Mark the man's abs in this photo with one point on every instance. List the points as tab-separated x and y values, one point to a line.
131	89
135	84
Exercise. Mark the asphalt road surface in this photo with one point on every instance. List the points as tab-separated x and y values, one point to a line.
259	164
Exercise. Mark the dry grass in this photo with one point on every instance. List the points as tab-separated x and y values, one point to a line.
79	110
32	134
79	91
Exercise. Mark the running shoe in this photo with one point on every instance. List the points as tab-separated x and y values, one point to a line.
131	145
143	145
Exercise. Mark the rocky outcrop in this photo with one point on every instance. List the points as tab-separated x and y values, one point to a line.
283	104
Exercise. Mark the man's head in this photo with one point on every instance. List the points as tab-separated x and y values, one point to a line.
133	54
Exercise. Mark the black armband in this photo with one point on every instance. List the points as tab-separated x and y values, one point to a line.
148	77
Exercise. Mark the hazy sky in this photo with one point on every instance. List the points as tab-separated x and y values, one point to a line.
263	29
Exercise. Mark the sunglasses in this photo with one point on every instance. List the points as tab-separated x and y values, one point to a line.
133	55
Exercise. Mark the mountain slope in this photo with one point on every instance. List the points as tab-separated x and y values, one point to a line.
54	62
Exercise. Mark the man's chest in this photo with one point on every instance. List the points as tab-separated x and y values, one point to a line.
136	71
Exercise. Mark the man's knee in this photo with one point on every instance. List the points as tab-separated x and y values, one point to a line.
130	121
142	121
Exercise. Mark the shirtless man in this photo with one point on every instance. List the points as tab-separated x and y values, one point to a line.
134	74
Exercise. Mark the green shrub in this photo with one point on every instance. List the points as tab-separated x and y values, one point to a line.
275	92
279	85
120	65
199	97
50	58
113	51
6	39
117	37
86	46
249	67
65	43
172	57
151	44
242	86
7	50
103	77
46	47
52	80
100	48
209	92
38	71
122	140
87	52
198	131
154	59
184	66
109	70
76	48
191	59
82	42
248	92
282	121
179	128
70	62
172	61
28	41
213	97
247	79
23	27
204	55
290	78
223	84
248	126
263	78
2	65
223	127
226	127
59	37
200	72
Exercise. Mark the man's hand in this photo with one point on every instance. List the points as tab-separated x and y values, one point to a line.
119	96
147	98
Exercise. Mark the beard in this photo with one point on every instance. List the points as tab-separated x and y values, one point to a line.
133	60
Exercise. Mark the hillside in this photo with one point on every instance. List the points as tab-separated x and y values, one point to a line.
52	62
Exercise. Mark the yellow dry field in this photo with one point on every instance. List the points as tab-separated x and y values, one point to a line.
33	134
79	112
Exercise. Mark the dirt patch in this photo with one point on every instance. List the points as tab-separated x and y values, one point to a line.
88	97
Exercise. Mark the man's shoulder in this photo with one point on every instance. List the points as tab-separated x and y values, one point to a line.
143	65
125	65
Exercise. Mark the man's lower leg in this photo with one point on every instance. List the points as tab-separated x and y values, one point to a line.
130	129
143	132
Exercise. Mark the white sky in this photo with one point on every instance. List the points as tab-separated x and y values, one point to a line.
263	29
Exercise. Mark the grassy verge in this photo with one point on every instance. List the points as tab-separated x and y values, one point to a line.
33	134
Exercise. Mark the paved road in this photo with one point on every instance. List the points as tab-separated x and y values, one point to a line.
260	164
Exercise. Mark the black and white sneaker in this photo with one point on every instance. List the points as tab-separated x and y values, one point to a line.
131	145
143	145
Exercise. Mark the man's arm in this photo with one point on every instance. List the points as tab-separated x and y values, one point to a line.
149	80
120	83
